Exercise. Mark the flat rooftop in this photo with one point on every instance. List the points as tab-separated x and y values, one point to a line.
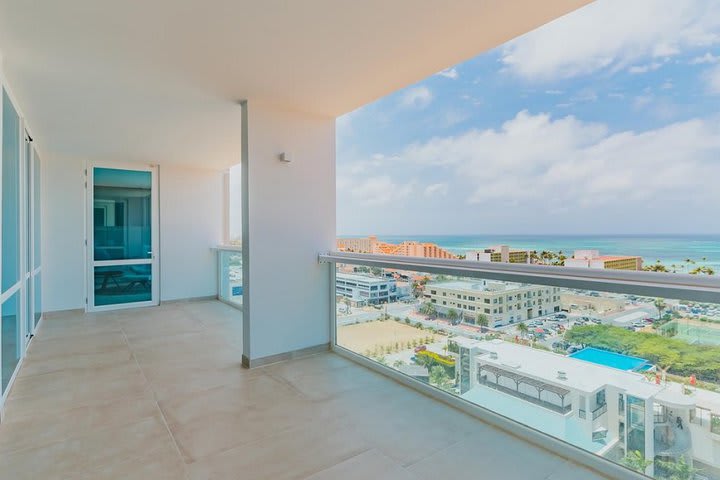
362	278
581	375
479	286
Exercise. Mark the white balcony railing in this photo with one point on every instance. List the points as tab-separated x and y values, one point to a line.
427	323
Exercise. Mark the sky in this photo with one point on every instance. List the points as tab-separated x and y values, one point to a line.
604	121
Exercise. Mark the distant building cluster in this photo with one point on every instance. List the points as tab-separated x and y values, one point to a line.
496	253
593	259
407	248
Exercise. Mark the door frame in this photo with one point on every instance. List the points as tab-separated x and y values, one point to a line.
91	263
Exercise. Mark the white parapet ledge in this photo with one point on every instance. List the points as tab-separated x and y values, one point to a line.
698	288
227	248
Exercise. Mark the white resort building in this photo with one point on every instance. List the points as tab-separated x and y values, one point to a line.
596	407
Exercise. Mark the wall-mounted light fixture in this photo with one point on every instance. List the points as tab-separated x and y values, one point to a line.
285	157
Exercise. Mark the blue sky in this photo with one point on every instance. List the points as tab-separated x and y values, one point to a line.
606	120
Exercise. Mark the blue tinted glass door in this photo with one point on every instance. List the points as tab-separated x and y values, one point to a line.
122	216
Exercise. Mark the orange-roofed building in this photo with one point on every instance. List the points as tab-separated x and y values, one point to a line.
408	248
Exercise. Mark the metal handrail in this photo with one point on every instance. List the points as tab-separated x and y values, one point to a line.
699	288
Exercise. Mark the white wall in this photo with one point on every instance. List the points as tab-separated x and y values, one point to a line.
191	223
289	218
191	216
63	232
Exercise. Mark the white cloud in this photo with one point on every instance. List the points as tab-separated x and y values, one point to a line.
436	189
536	160
613	34
417	97
553	92
376	191
449	73
712	78
648	67
707	58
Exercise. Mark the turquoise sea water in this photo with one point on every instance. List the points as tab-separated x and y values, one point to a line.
669	249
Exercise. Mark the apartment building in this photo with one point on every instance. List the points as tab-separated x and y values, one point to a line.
357	245
502	303
593	259
408	248
599	408
499	253
364	289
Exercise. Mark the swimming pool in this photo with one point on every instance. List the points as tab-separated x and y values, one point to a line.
611	359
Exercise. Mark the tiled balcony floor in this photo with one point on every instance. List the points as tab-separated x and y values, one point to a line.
160	394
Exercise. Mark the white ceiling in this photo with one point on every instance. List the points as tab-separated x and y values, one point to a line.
157	80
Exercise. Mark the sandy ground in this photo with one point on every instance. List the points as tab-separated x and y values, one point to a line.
366	336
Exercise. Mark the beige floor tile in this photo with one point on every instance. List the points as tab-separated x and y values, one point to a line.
80	454
158	465
42	428
259	391
292	454
76	362
368	465
222	428
492	452
76	379
60	400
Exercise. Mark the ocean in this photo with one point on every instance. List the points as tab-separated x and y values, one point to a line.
669	249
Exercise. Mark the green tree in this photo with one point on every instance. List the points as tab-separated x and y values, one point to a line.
452	315
376	271
679	470
522	329
428	309
439	377
482	320
636	461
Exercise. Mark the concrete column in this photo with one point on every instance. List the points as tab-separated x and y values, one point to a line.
288	219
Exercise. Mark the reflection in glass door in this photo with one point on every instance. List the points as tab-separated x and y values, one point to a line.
123	235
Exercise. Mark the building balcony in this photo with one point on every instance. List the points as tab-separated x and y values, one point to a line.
160	393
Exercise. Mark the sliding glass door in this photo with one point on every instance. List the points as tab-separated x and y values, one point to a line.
122	216
11	331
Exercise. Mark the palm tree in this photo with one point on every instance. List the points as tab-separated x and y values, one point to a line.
702	270
482	320
660	305
523	329
452	315
656	267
